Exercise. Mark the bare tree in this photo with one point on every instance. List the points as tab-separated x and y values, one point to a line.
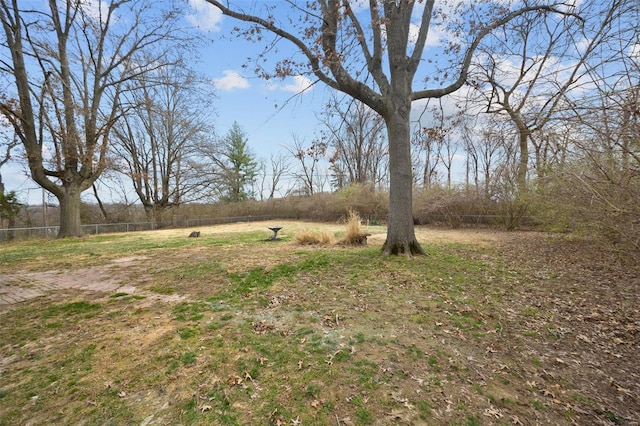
68	62
271	175
10	207
494	148
279	167
528	71
376	61
309	158
164	120
601	182
447	155
472	160
427	142
357	134
436	143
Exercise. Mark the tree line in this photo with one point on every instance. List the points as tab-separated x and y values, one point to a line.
536	100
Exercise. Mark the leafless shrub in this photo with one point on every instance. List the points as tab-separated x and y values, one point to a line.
602	203
453	207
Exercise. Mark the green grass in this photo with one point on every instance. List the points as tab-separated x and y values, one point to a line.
72	308
262	333
72	253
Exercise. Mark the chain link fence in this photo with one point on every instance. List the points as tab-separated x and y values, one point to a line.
109	228
454	221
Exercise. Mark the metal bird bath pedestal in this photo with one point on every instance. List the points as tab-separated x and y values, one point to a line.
275	230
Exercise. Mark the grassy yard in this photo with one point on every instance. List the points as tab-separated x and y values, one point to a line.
156	328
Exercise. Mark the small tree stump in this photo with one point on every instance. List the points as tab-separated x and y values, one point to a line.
361	239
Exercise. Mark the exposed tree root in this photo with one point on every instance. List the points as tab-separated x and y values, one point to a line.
405	248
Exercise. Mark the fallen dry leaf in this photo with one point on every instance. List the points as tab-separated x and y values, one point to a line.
545	392
584	338
234	380
493	412
399	415
262	327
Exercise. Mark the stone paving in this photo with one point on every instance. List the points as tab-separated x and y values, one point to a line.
20	287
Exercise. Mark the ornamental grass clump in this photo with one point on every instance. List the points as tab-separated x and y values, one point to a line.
354	234
314	238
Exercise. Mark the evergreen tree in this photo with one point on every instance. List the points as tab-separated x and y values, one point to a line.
9	209
241	166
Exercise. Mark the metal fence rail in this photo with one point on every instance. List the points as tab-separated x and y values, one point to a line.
110	228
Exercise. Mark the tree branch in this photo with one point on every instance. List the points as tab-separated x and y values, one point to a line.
341	80
462	77
422	36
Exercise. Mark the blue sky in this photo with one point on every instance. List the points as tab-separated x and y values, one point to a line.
270	112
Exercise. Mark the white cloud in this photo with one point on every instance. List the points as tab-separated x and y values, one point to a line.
231	80
359	5
635	51
204	16
96	10
572	6
414	31
300	84
434	36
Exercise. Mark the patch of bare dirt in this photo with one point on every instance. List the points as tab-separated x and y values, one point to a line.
106	279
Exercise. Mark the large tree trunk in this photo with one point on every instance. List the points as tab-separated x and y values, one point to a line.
523	163
69	199
523	146
401	237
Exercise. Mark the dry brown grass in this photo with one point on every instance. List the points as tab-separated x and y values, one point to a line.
307	237
353	234
354	230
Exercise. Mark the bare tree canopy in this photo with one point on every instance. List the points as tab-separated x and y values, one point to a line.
68	62
373	53
357	135
529	72
310	175
8	141
165	118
